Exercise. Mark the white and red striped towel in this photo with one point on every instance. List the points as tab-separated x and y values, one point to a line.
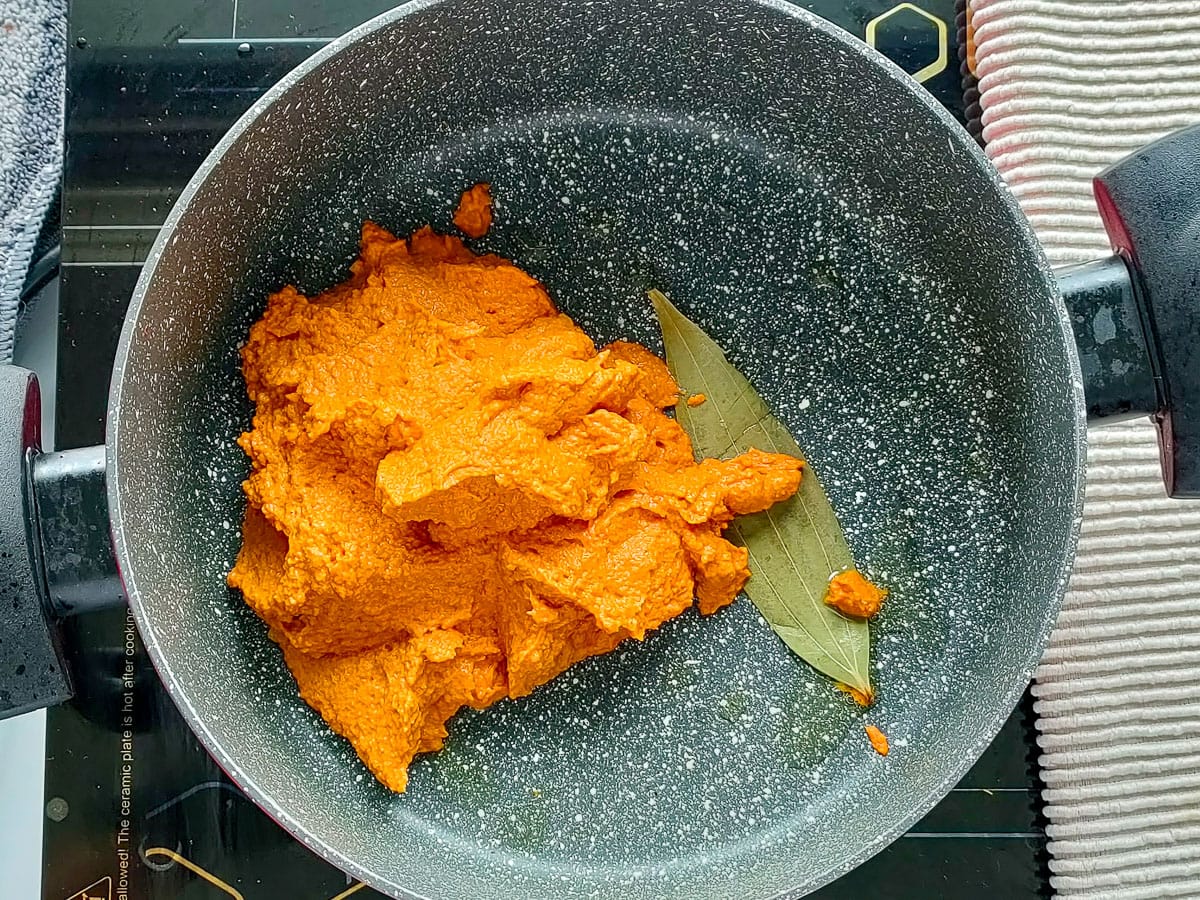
1067	88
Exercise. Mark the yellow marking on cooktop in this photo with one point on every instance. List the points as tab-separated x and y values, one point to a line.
188	864
939	64
97	890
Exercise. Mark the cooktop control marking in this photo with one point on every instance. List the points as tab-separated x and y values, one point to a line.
905	17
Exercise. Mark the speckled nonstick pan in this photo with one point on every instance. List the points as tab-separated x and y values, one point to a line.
849	246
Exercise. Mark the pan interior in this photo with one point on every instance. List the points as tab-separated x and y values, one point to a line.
856	258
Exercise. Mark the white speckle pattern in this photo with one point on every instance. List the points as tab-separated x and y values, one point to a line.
718	151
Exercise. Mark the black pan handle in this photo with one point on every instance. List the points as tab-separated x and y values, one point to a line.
71	495
1137	314
56	556
33	673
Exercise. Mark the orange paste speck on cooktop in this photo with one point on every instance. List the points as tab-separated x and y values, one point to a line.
455	495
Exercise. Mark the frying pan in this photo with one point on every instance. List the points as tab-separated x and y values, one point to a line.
850	247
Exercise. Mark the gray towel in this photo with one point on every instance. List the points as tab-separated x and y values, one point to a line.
32	75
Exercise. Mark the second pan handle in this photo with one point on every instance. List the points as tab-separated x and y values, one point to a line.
33	671
1137	314
70	493
1150	203
56	555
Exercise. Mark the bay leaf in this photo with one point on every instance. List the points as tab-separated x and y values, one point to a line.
797	545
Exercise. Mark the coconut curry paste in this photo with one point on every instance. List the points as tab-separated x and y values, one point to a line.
455	496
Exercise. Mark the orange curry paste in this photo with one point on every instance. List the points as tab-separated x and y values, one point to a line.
879	741
852	595
474	214
455	496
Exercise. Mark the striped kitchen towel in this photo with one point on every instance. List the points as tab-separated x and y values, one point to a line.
1067	88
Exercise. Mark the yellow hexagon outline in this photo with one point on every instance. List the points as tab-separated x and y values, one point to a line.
943	56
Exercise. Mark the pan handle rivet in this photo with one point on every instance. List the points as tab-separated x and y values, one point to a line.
57	809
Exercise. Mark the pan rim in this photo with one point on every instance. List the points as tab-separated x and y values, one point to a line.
962	143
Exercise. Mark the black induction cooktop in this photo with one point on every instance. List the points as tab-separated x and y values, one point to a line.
135	808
